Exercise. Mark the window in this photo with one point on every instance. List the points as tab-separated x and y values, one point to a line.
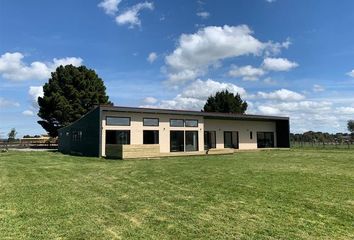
209	140
231	139
191	141
251	135
150	121
118	121
117	137
150	137
76	136
265	139
191	123
177	123
177	141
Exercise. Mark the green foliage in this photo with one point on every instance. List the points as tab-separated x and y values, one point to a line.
351	126
225	102
70	93
311	136
12	135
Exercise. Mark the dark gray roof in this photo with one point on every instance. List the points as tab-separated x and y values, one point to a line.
210	115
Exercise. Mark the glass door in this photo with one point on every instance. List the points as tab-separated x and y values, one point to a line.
191	141
209	139
177	141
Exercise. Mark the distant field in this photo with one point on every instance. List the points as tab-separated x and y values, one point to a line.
296	194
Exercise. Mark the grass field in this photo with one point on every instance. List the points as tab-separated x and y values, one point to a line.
297	194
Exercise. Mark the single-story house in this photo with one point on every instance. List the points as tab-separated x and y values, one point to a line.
128	132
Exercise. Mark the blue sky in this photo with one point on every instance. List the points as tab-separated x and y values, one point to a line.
292	58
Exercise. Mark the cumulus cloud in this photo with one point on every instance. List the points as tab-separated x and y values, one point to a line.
247	73
150	100
270	1
194	96
12	67
4	103
35	92
152	57
351	73
268	110
282	94
278	64
203	15
196	52
130	16
109	6
28	113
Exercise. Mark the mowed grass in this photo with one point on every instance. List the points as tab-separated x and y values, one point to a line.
296	194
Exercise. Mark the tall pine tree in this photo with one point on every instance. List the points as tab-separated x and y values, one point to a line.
225	102
70	93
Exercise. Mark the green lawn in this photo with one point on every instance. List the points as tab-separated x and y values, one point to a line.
297	194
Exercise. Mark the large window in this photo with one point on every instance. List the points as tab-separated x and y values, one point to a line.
191	141
191	123
265	139
230	139
177	141
150	121
117	137
118	121
150	137
209	139
177	123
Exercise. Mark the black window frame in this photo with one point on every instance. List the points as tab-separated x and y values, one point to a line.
251	135
117	124
186	120
147	125
185	141
176	120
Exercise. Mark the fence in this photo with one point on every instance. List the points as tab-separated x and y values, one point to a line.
20	145
323	145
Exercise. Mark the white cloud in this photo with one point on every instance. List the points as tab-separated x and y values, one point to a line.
28	113
246	72
196	52
345	110
109	6
282	94
203	15
270	1
268	110
152	57
35	92
269	80
131	15
278	64
351	73
13	68
150	100
194	96
4	103
318	88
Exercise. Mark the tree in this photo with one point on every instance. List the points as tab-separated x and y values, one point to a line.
70	93
225	102
351	126
12	135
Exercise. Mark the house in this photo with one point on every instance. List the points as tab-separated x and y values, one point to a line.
128	132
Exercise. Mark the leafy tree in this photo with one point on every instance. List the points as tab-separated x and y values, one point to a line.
225	102
351	126
12	135
70	93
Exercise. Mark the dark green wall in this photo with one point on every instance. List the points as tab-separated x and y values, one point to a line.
283	133
89	125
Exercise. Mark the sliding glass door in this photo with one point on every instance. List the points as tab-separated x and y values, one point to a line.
209	139
191	141
265	139
177	141
230	139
